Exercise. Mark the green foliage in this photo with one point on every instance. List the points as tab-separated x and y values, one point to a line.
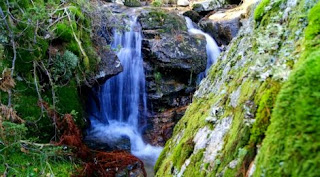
13	132
64	66
35	161
157	3
260	10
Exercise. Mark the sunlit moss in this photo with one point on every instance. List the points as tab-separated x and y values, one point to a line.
292	139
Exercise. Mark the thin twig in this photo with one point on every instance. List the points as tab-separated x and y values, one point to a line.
53	98
11	35
37	88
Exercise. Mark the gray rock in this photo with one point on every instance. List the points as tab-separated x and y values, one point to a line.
207	5
180	52
106	144
172	60
193	15
183	3
223	29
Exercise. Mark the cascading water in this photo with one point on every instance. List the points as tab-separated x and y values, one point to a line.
213	50
122	99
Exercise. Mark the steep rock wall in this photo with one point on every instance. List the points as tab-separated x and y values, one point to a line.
223	129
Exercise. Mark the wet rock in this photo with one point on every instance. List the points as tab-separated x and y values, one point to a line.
180	52
132	170
172	60
109	64
166	21
105	144
193	15
224	24
163	124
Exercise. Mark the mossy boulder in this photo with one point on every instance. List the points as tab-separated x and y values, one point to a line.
154	18
293	151
263	91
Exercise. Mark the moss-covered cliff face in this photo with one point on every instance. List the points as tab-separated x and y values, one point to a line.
253	103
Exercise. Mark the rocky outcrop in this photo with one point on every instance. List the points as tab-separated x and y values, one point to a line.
246	91
109	64
224	24
173	58
207	5
193	15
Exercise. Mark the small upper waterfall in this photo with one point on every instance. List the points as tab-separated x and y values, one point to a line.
122	99
213	50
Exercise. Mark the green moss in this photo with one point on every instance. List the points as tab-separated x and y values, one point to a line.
194	167
69	100
297	110
35	163
26	99
73	47
182	152
265	16
161	157
263	114
313	29
292	139
76	12
162	19
312	37
193	120
64	32
260	10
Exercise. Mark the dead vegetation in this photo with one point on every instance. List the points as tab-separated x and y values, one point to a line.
95	163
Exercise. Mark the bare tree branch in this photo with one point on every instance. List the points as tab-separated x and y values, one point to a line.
11	35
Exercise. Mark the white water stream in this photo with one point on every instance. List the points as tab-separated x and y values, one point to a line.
213	50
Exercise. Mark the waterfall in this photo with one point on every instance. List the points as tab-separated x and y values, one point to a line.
212	48
122	99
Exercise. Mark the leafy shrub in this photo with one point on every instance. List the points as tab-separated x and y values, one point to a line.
64	66
12	132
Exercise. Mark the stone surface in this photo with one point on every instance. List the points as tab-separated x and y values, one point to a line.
193	15
172	59
183	3
224	24
207	5
109	64
105	144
